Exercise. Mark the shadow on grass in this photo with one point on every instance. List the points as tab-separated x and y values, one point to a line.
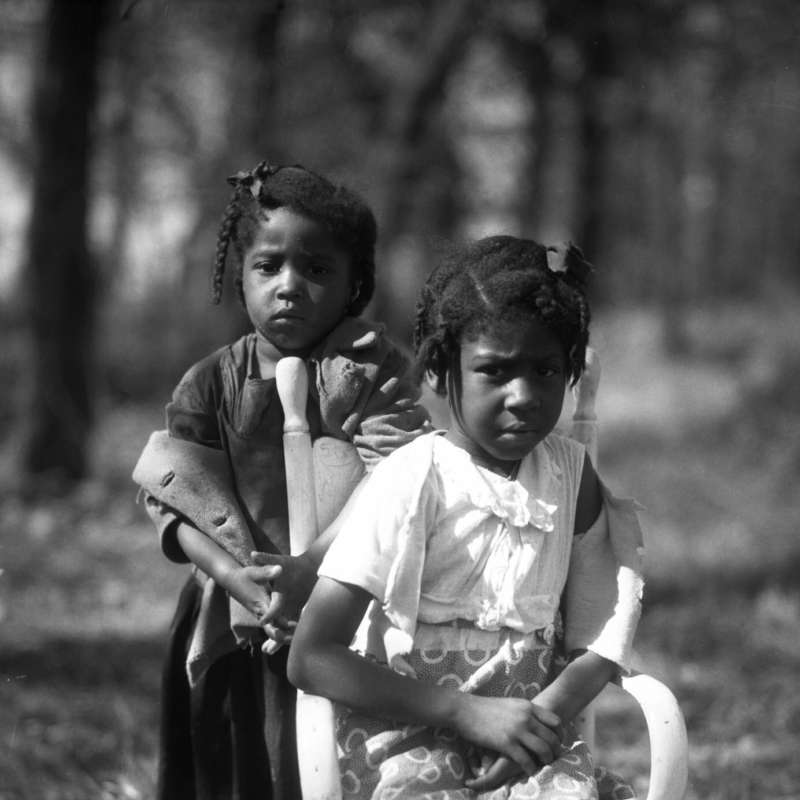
79	719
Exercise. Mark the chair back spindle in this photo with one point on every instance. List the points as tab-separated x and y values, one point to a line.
316	741
584	430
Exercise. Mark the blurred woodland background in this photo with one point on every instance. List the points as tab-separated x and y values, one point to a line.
660	135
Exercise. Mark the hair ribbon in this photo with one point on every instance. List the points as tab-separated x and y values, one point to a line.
567	258
253	180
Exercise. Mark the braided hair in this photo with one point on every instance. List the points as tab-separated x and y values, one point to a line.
341	211
501	278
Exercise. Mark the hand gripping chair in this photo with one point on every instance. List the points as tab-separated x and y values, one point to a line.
330	471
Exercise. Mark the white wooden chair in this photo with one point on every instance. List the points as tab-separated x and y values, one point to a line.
669	758
338	470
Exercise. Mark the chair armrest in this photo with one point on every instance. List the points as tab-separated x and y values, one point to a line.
316	748
669	756
319	769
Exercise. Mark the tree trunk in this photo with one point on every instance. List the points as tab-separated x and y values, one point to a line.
61	277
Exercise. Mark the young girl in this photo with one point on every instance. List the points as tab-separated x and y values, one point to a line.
216	485
462	548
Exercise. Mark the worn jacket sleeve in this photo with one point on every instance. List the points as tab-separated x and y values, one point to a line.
183	479
605	582
185	474
390	415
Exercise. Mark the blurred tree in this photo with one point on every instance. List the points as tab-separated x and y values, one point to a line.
61	280
405	53
659	135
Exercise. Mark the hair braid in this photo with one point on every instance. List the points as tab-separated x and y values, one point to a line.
226	227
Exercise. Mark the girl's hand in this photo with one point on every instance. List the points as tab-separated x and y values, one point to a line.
526	733
251	586
494	770
293	580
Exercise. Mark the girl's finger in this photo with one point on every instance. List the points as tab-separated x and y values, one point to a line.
550	739
277	602
551	720
524	759
498	773
276	633
267	573
279	623
277	639
538	748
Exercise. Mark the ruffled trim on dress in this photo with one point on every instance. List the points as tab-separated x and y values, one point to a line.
507	499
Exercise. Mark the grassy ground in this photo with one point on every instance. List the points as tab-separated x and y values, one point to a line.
709	444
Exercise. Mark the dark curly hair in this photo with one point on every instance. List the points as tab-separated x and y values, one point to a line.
504	279
341	211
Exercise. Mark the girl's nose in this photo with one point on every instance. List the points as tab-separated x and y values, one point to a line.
522	394
291	283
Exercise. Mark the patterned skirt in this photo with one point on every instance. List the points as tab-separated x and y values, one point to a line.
384	760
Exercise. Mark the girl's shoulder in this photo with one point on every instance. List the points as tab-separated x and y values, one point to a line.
558	441
229	357
415	455
563	455
207	383
405	478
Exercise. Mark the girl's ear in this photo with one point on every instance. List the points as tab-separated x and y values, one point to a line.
437	384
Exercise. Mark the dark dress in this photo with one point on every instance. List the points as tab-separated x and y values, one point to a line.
212	738
232	733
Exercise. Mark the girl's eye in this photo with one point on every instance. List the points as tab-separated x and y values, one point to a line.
318	269
267	267
547	372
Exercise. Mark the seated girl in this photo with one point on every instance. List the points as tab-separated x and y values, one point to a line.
463	549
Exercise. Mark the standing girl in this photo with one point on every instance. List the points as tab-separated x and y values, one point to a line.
462	549
215	481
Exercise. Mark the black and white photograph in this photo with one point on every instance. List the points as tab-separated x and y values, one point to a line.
399	399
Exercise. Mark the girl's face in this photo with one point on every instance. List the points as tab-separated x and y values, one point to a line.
506	392
296	282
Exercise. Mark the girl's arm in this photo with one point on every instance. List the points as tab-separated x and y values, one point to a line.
320	662
292	586
584	677
248	585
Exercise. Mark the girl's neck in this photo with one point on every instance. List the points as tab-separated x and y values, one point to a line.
508	469
267	356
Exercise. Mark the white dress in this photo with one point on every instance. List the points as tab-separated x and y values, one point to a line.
470	568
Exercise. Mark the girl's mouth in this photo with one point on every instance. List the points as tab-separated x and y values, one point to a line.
287	315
